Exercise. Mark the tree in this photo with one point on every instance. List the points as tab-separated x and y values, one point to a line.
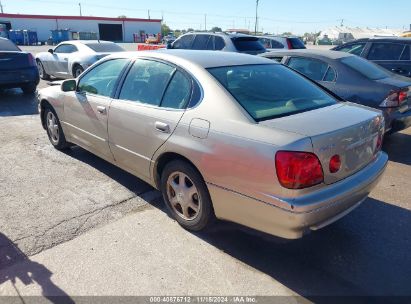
216	29
165	29
190	30
287	34
122	17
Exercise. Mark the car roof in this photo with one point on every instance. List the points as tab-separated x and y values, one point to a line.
319	54
382	38
205	59
279	36
224	34
77	42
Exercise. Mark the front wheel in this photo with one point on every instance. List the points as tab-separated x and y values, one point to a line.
54	130
77	71
186	196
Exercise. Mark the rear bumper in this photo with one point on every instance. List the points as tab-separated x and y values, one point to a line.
309	212
16	78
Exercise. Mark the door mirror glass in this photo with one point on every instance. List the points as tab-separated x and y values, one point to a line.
50	51
69	85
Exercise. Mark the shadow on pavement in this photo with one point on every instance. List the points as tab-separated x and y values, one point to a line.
14	264
15	103
398	147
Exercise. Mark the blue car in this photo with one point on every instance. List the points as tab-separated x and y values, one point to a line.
18	69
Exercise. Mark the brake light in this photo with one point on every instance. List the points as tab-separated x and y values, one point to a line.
32	62
298	170
290	45
335	164
395	98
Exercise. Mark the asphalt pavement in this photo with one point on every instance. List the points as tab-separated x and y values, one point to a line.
85	227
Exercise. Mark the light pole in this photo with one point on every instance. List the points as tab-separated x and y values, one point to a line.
79	4
1	7
256	16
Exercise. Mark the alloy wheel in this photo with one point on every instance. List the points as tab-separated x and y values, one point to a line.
53	128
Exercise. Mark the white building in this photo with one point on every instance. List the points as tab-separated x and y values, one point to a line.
114	29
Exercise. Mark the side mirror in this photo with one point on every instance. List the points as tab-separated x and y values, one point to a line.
69	85
51	51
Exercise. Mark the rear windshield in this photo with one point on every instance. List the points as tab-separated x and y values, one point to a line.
8	46
296	43
105	47
246	44
270	91
365	67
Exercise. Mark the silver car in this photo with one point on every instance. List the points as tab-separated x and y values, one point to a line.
70	58
223	135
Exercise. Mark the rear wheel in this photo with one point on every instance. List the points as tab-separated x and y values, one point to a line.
186	196
77	70
54	130
42	72
29	88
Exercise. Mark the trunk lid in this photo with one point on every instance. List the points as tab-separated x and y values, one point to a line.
13	61
348	130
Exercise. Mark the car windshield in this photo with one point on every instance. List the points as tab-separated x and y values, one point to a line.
365	67
8	46
105	47
271	90
245	44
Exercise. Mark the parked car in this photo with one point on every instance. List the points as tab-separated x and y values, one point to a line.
70	58
168	39
227	42
17	68
223	135
282	42
392	53
357	80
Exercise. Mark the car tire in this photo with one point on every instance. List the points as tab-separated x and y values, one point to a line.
54	130
42	71
29	88
186	196
77	70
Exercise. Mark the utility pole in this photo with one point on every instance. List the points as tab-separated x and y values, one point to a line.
256	16
342	22
205	22
149	14
79	4
1	7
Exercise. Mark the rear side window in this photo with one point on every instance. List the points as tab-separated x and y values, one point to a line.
245	44
146	82
8	46
365	67
219	43
313	69
406	54
296	43
355	49
385	51
178	92
276	45
270	91
200	42
102	79
184	42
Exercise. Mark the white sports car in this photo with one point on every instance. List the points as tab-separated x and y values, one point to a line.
70	58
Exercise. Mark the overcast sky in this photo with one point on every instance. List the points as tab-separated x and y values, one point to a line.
297	16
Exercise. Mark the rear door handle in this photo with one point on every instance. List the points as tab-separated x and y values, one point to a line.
102	110
162	127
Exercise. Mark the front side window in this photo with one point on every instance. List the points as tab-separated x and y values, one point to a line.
313	69
271	91
385	51
102	79
355	49
65	49
146	82
183	42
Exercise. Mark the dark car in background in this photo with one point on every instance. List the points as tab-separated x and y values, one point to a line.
392	53
282	42
18	69
227	42
355	79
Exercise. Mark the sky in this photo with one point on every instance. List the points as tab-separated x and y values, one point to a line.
297	16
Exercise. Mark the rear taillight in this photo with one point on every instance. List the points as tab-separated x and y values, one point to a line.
298	170
395	98
335	164
32	62
290	45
